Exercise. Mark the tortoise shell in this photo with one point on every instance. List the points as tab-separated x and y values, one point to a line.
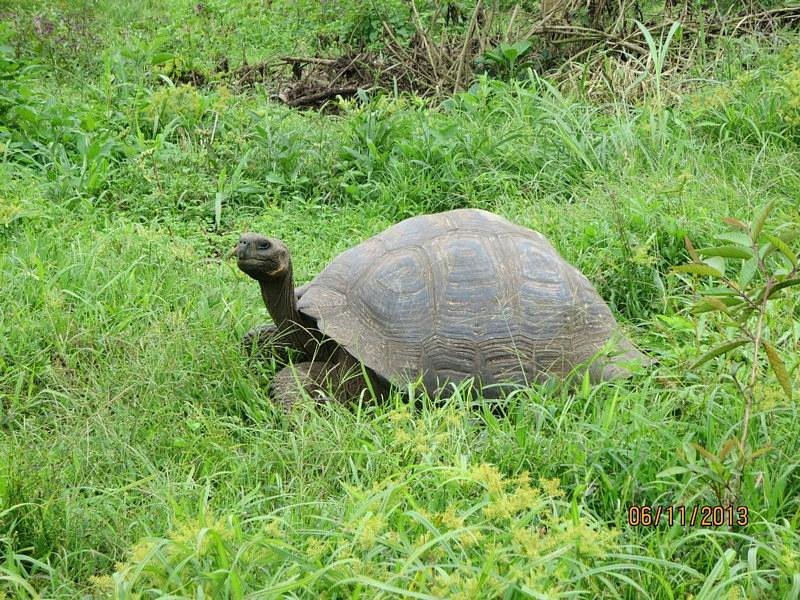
462	294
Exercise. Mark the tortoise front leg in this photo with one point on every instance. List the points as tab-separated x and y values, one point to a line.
341	379
295	383
265	340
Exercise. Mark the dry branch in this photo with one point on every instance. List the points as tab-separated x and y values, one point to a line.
440	59
317	97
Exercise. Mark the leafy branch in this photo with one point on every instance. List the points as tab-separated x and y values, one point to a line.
752	270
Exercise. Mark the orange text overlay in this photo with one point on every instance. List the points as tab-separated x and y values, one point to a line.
688	516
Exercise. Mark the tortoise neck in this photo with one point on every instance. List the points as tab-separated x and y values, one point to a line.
278	295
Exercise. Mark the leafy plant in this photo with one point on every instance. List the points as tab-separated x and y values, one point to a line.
374	133
754	267
504	59
228	186
657	56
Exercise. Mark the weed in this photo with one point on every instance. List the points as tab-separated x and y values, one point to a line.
767	266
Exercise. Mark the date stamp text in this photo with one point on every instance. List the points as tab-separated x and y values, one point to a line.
688	516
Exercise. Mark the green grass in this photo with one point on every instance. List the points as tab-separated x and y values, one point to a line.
140	454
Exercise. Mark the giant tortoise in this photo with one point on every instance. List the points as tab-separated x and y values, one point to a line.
439	299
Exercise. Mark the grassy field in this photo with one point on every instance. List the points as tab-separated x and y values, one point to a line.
140	455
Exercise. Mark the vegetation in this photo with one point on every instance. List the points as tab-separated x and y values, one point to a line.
140	455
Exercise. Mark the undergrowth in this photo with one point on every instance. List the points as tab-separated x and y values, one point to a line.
140	455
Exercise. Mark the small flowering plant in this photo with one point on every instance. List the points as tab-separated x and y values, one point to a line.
490	533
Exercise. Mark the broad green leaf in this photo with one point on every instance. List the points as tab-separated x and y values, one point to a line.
709	305
747	271
236	588
510	53
718	290
758	222
677	322
697	269
783	284
523	46
788	232
738	238
783	248
716	262
716	303
757	299
726	251
672	471
778	367
718	351
159	58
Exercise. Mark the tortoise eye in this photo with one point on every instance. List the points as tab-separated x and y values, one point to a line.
264	245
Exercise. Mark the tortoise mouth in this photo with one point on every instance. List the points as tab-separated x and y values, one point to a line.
253	265
252	260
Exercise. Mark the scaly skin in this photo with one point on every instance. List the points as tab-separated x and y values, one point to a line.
332	369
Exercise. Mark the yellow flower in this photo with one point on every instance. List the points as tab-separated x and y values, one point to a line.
8	212
140	550
552	487
425	514
272	528
529	541
357	566
440	438
445	583
54	298
453	419
392	538
450	519
470	538
508	505
316	548
371	527
101	583
588	540
538	579
790	560
400	415
734	593
489	476
470	588
223	96
401	437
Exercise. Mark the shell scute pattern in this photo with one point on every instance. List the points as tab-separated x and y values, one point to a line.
461	294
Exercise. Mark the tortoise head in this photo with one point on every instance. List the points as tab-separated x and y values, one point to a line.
261	257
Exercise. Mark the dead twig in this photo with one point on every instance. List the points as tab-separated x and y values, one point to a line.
307	60
315	98
462	56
